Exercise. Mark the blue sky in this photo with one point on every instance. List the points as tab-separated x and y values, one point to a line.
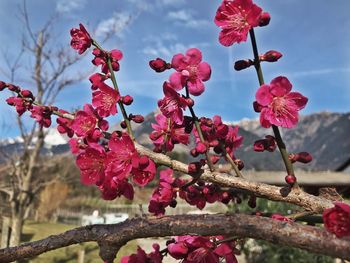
313	36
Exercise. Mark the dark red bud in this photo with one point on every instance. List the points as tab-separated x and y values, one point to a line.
304	157
290	179
239	163
243	64
257	107
194	167
271	56
214	158
259	146
13	88
137	118
123	124
127	100
3	85
293	157
194	152
190	102
264	19
27	94
159	65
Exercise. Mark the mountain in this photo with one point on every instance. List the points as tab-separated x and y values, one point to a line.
325	135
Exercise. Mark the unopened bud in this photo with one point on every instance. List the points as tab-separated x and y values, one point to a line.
127	100
137	118
27	94
290	179
190	102
271	56
201	148
3	85
264	19
257	107
239	163
252	201
243	64
143	162
13	88
304	157
194	167
123	125
159	65
214	158
194	152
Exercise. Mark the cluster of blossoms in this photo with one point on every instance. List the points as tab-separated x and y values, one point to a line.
112	163
198	194
189	249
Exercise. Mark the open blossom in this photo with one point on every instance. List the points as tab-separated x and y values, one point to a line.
337	219
278	105
91	163
165	194
172	104
84	122
105	100
42	115
81	39
123	160
167	133
191	71
236	18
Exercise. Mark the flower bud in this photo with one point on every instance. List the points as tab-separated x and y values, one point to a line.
257	107
137	118
123	125
271	56
304	157
252	201
143	162
243	64
264	19
239	163
215	158
13	88
194	167
127	100
194	152
190	102
290	179
27	94
159	65
3	85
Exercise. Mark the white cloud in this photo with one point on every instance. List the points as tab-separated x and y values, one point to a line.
67	6
166	46
186	18
114	24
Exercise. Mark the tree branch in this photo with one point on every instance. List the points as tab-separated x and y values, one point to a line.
112	237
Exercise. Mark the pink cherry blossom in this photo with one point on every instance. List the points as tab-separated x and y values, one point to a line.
81	39
85	121
236	18
191	71
105	100
42	115
172	104
141	256
167	133
91	163
337	219
278	105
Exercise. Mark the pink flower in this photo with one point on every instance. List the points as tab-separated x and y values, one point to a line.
337	219
96	80
20	104
165	194
172	104
191	72
84	122
81	39
278	105
143	171
236	18
91	165
167	133
111	188
105	100
42	115
64	125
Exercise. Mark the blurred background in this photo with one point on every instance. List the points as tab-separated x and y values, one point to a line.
313	37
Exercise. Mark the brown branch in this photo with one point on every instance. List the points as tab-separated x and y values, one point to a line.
112	237
300	198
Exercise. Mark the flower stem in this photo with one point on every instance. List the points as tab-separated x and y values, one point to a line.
231	161
200	133
281	145
115	85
